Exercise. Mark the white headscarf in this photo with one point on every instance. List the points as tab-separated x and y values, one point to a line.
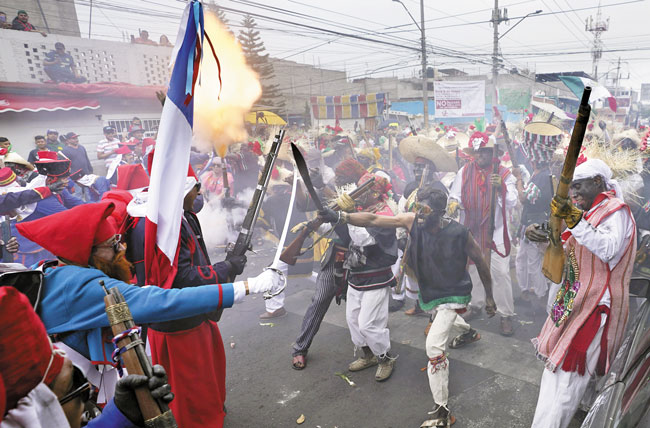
593	167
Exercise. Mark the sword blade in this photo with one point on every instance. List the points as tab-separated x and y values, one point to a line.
287	222
304	173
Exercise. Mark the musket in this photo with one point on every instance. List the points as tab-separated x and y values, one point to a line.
506	137
243	242
224	175
155	412
553	264
493	204
402	264
293	250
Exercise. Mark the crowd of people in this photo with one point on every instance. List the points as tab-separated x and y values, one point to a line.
444	213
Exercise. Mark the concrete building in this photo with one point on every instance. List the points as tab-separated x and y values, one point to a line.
51	16
123	80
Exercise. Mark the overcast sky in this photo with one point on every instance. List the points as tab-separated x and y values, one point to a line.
457	33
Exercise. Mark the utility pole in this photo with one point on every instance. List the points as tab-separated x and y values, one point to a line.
90	19
498	16
425	78
597	28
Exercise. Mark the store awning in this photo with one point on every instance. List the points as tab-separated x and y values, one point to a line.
36	103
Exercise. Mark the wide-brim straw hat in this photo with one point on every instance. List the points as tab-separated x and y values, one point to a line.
14	157
453	140
418	146
544	129
629	133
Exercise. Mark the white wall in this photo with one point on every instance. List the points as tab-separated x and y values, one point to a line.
21	128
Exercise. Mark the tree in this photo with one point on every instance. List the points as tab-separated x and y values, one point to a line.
258	60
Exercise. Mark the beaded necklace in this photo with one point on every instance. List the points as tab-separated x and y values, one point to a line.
563	305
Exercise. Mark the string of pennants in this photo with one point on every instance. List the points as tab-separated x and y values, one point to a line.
348	106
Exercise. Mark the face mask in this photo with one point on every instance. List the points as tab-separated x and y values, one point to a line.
198	204
3	18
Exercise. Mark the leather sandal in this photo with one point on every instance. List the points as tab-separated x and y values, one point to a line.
299	362
465	339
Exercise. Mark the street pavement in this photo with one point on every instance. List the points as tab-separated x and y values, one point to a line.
493	382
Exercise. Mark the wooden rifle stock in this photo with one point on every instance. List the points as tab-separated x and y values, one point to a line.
506	137
493	206
155	412
553	264
293	250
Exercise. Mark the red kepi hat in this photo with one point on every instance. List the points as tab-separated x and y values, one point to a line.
61	235
27	356
131	177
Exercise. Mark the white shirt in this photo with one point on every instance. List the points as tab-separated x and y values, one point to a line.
609	240
105	146
511	200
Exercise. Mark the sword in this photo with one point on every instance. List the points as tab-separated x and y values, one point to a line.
275	266
304	174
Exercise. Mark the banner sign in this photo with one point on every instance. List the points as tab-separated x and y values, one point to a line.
348	106
459	98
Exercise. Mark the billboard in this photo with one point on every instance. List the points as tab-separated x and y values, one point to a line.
459	98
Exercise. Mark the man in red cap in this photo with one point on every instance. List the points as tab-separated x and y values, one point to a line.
72	307
42	388
471	193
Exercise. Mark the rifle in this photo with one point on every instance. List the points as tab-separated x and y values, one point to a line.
493	204
7	257
293	251
154	411
506	137
553	264
402	264
224	178
243	242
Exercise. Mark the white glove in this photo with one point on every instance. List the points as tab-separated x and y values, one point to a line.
269	280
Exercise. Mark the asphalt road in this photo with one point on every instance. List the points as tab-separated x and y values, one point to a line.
493	382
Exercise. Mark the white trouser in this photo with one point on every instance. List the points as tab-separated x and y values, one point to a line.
501	284
529	267
367	316
560	392
411	287
274	303
277	302
436	345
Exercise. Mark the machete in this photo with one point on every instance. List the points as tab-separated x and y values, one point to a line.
304	173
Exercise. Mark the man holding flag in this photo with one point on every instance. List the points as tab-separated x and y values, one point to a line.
190	349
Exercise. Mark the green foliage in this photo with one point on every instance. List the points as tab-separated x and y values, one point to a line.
258	59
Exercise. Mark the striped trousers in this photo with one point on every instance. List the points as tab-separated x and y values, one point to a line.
320	303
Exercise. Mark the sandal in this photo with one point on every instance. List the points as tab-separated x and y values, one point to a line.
465	339
441	417
299	362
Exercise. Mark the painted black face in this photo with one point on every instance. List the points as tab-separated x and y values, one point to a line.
484	158
584	191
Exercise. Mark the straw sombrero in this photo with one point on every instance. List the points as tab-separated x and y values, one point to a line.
453	140
541	139
417	146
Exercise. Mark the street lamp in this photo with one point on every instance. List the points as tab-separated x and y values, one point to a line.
425	97
519	22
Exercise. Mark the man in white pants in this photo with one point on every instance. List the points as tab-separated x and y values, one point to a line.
587	323
471	193
438	255
371	254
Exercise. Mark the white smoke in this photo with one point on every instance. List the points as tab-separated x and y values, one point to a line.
222	225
